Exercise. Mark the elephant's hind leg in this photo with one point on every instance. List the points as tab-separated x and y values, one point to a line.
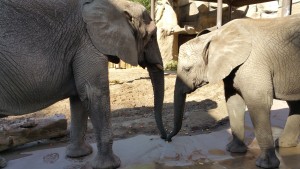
78	147
259	108
291	132
236	111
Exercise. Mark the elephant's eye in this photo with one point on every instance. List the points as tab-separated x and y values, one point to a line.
187	68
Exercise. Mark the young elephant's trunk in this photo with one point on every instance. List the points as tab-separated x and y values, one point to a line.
157	79
179	104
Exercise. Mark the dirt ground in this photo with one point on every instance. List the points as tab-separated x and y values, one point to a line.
132	107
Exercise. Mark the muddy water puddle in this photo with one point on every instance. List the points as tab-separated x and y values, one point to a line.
289	159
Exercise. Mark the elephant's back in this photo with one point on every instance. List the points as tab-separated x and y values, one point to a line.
282	54
286	75
37	25
275	55
38	39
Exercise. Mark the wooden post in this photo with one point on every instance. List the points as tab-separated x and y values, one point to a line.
153	9
286	8
219	13
229	11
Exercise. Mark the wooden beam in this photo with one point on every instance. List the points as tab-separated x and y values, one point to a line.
238	3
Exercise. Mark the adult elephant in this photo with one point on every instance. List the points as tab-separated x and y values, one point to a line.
56	49
258	60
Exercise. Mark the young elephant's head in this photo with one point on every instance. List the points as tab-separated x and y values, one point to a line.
208	58
192	63
124	30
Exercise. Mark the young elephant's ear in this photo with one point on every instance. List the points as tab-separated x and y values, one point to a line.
110	31
228	48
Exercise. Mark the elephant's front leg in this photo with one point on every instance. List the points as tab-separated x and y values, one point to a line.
236	111
291	132
99	108
259	108
79	117
91	77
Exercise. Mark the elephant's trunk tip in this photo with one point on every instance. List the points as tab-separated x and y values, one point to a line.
164	136
170	136
169	139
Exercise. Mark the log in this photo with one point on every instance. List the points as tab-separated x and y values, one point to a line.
29	130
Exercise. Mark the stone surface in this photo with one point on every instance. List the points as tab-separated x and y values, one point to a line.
15	133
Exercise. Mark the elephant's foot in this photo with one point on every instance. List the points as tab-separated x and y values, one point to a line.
236	146
3	162
268	159
75	150
106	162
281	142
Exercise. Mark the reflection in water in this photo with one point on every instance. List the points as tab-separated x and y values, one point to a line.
289	159
217	152
196	166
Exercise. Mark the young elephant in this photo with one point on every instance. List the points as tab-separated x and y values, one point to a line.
258	60
56	49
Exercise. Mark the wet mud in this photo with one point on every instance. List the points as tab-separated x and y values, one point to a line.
289	159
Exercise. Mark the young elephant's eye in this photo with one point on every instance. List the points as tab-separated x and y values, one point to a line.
187	68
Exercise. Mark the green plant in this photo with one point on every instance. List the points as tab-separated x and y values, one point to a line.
172	65
146	3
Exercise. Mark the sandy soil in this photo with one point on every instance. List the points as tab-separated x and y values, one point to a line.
132	107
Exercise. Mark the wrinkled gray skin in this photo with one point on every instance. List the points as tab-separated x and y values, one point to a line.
258	60
56	49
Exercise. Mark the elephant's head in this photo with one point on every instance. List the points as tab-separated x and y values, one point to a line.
124	30
208	58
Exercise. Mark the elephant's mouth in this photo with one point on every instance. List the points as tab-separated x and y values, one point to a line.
198	85
189	87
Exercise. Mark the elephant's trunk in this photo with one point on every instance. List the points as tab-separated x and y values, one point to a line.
179	104
157	79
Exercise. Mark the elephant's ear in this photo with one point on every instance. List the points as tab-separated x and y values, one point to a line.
228	48
110	31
